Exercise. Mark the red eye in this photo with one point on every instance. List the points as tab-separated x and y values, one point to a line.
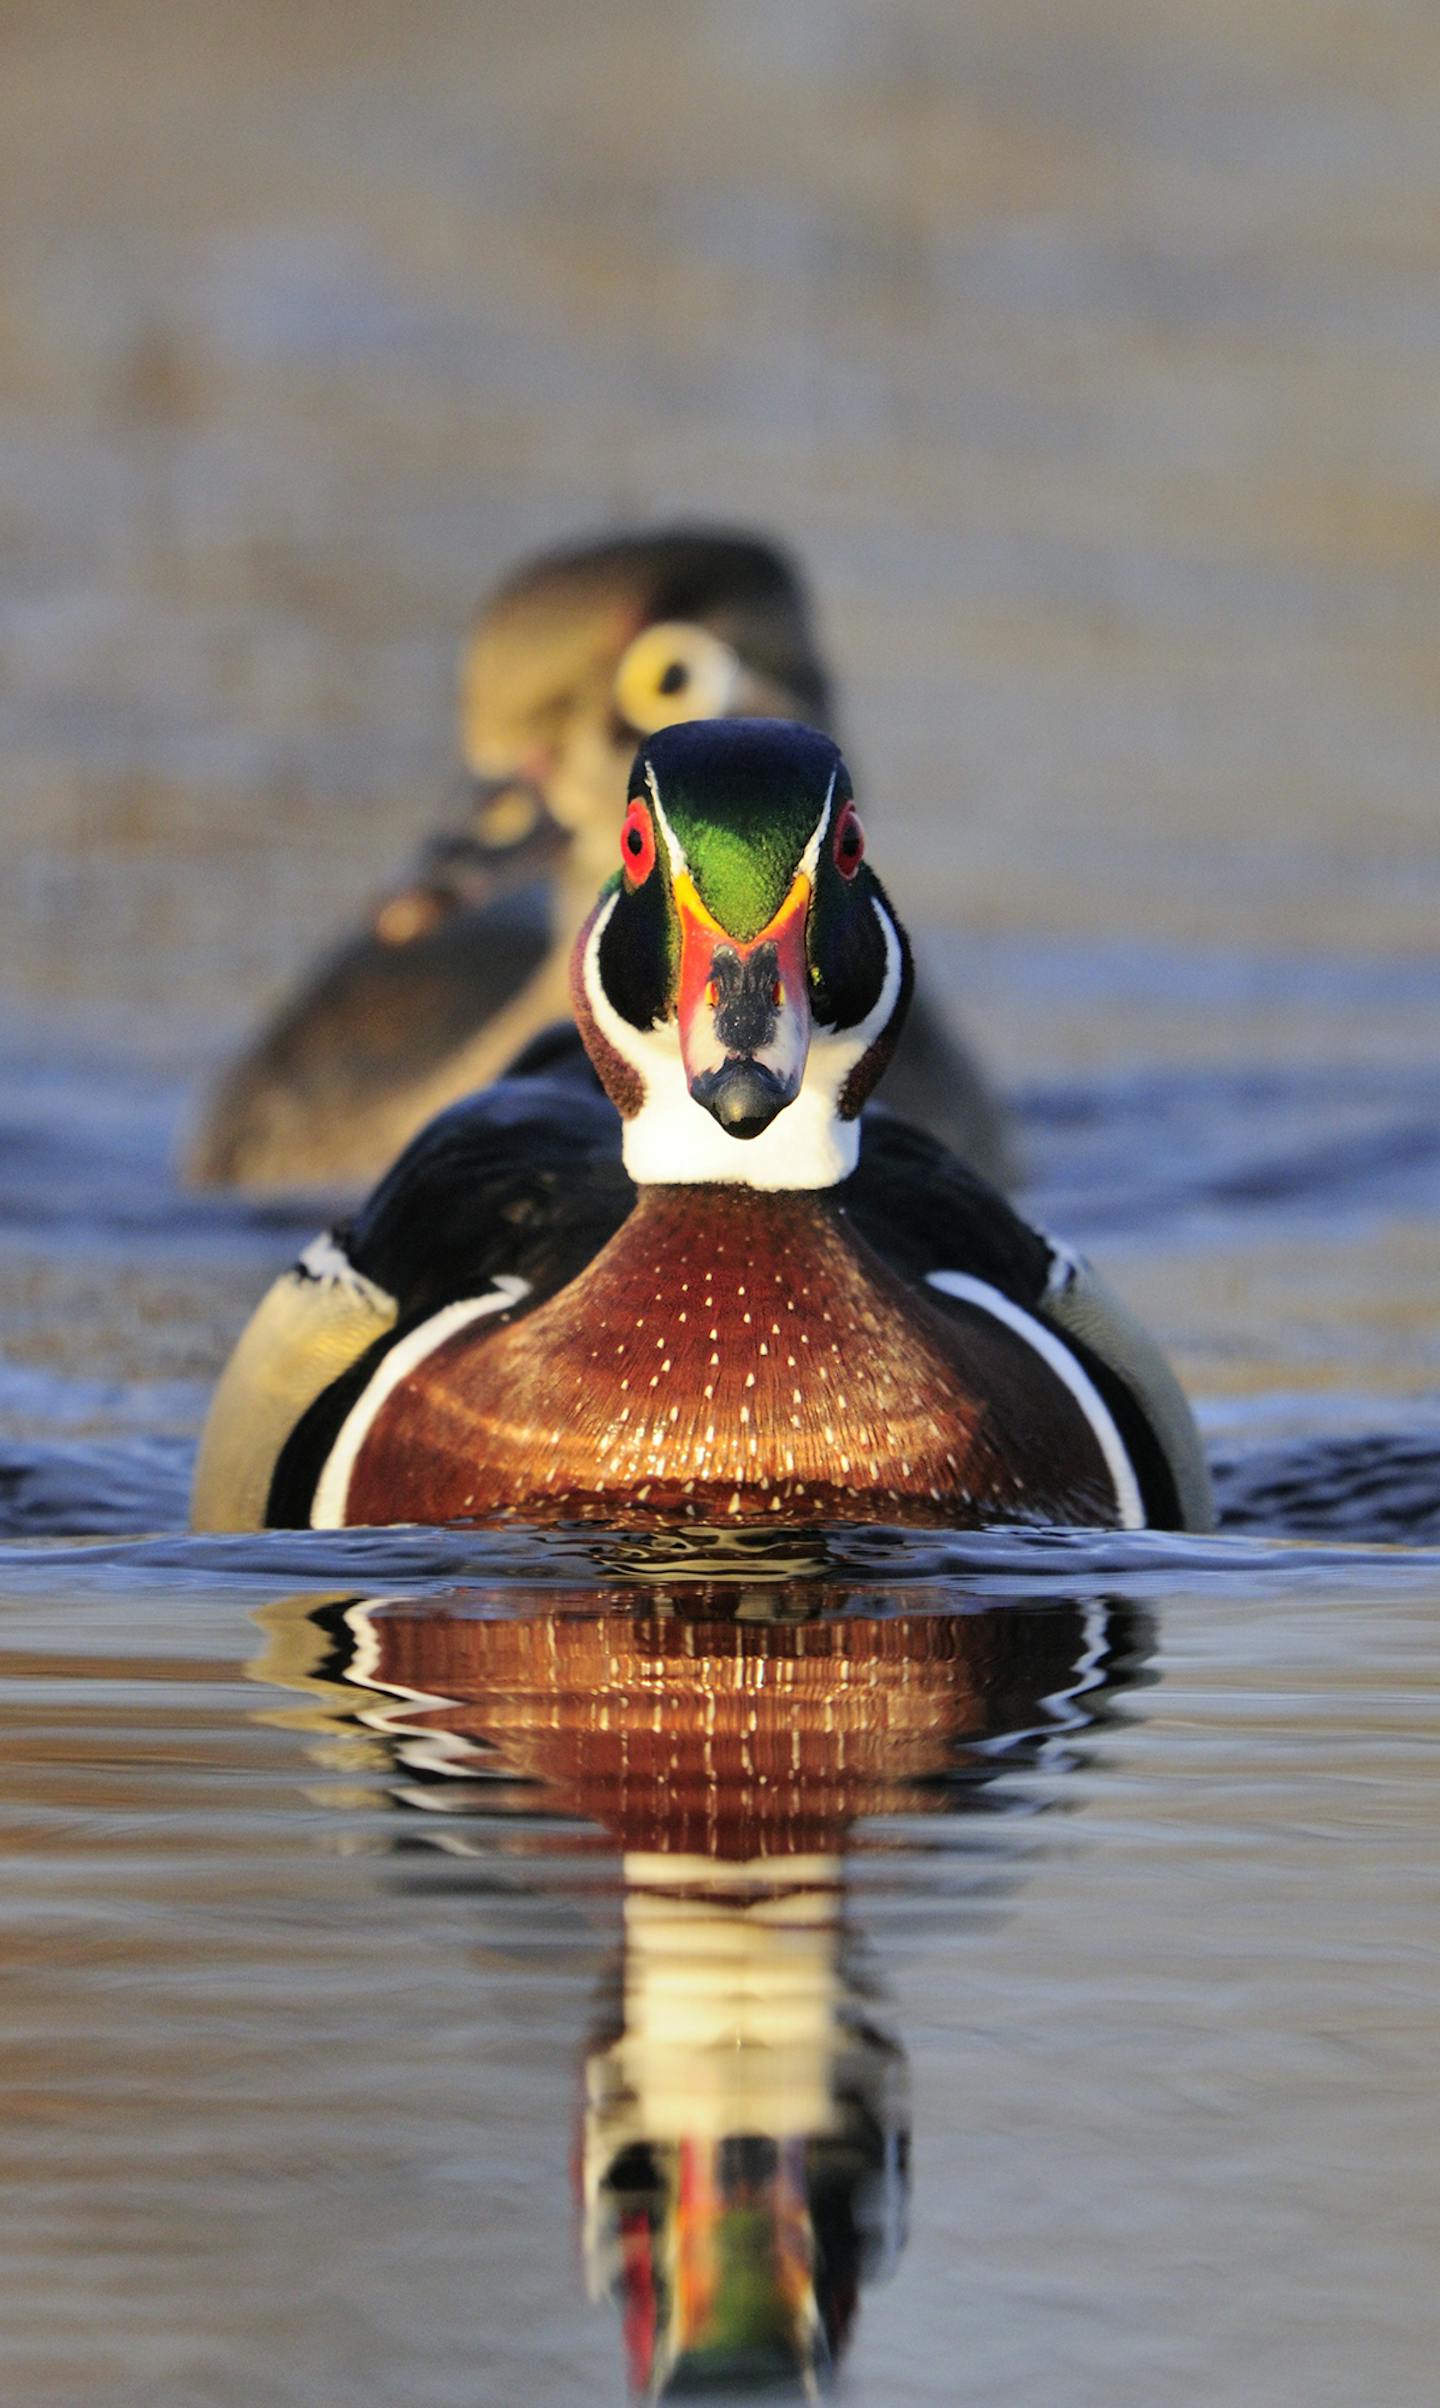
849	842
637	844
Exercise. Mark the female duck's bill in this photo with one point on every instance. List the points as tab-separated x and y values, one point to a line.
463	959
737	1302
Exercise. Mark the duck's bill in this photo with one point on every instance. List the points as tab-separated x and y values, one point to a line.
744	1010
508	835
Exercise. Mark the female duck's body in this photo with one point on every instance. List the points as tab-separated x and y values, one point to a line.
806	1319
463	961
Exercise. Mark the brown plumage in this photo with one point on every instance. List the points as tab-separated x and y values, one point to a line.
730	1354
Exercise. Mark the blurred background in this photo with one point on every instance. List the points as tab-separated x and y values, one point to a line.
1089	359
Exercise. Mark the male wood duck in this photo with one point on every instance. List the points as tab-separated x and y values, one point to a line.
688	1279
460	964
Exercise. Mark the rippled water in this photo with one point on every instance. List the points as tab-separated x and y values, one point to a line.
448	1970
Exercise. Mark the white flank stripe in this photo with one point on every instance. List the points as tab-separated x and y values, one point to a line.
327	1512
1052	1350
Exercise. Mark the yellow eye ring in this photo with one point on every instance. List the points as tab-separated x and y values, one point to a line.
674	671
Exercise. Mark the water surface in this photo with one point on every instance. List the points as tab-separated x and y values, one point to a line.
449	1969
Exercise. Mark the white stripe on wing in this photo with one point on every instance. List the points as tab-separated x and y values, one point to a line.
1053	1351
327	1512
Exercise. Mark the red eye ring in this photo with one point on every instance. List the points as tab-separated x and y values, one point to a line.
849	846
637	844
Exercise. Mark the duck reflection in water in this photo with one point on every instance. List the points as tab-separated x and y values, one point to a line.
743	2158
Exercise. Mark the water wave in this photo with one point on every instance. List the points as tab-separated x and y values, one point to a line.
406	1558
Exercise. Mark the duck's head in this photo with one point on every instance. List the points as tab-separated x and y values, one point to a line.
584	652
743	979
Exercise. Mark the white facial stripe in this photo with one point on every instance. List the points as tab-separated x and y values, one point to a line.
672	1140
673	846
810	858
327	1511
1053	1351
645	1049
860	1038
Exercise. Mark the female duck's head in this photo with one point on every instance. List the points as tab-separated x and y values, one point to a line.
743	979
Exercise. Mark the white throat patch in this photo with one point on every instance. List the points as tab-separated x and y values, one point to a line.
672	1140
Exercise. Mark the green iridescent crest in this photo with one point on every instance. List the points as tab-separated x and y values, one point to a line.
744	807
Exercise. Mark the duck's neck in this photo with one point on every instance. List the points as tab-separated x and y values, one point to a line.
674	1142
669	1140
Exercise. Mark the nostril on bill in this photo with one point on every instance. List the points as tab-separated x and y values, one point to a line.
748	993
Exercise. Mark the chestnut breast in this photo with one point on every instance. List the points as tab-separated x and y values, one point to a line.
733	1353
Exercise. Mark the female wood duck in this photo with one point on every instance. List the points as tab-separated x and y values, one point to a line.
712	1290
459	965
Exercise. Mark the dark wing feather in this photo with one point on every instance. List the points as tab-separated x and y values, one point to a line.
922	1209
524	1178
